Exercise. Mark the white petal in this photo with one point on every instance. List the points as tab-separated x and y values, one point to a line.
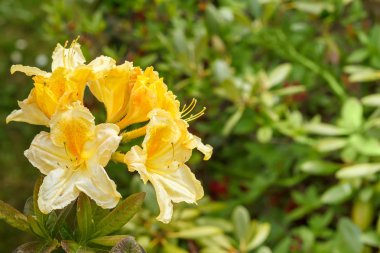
205	149
102	63
29	113
46	156
29	71
96	184
178	186
135	159
57	190
70	58
106	142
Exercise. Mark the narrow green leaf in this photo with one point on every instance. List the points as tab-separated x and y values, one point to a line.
262	232
73	247
196	232
13	217
110	240
41	217
172	248
359	170
61	218
37	228
330	144
318	167
119	216
40	247
371	100
324	129
279	74
337	194
233	120
84	218
128	245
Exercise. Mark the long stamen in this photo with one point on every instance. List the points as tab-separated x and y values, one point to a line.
195	116
187	109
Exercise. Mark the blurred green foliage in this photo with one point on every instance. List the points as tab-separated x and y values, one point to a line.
291	89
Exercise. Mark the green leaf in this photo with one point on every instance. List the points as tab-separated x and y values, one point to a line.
358	170
337	194
62	218
40	247
119	216
13	217
195	232
330	144
324	129
279	74
358	55
172	248
41	217
84	218
351	114
318	167
260	235
128	245
264	134
371	100
241	220
233	120
110	240
38	228
348	239
365	145
73	247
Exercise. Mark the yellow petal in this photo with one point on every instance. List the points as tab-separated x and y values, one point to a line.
46	156
148	93
29	71
29	112
57	190
72	128
112	86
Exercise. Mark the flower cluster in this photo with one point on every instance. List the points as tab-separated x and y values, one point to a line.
74	153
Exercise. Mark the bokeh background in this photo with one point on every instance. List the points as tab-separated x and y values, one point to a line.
291	94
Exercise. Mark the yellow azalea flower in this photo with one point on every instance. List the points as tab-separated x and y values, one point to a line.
51	91
112	85
149	92
73	157
161	160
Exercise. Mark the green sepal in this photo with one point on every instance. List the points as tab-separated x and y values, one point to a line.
84	218
119	216
13	217
40	247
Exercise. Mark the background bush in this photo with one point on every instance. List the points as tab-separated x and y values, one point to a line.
291	90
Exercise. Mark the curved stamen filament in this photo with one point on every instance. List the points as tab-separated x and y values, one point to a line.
195	116
187	109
